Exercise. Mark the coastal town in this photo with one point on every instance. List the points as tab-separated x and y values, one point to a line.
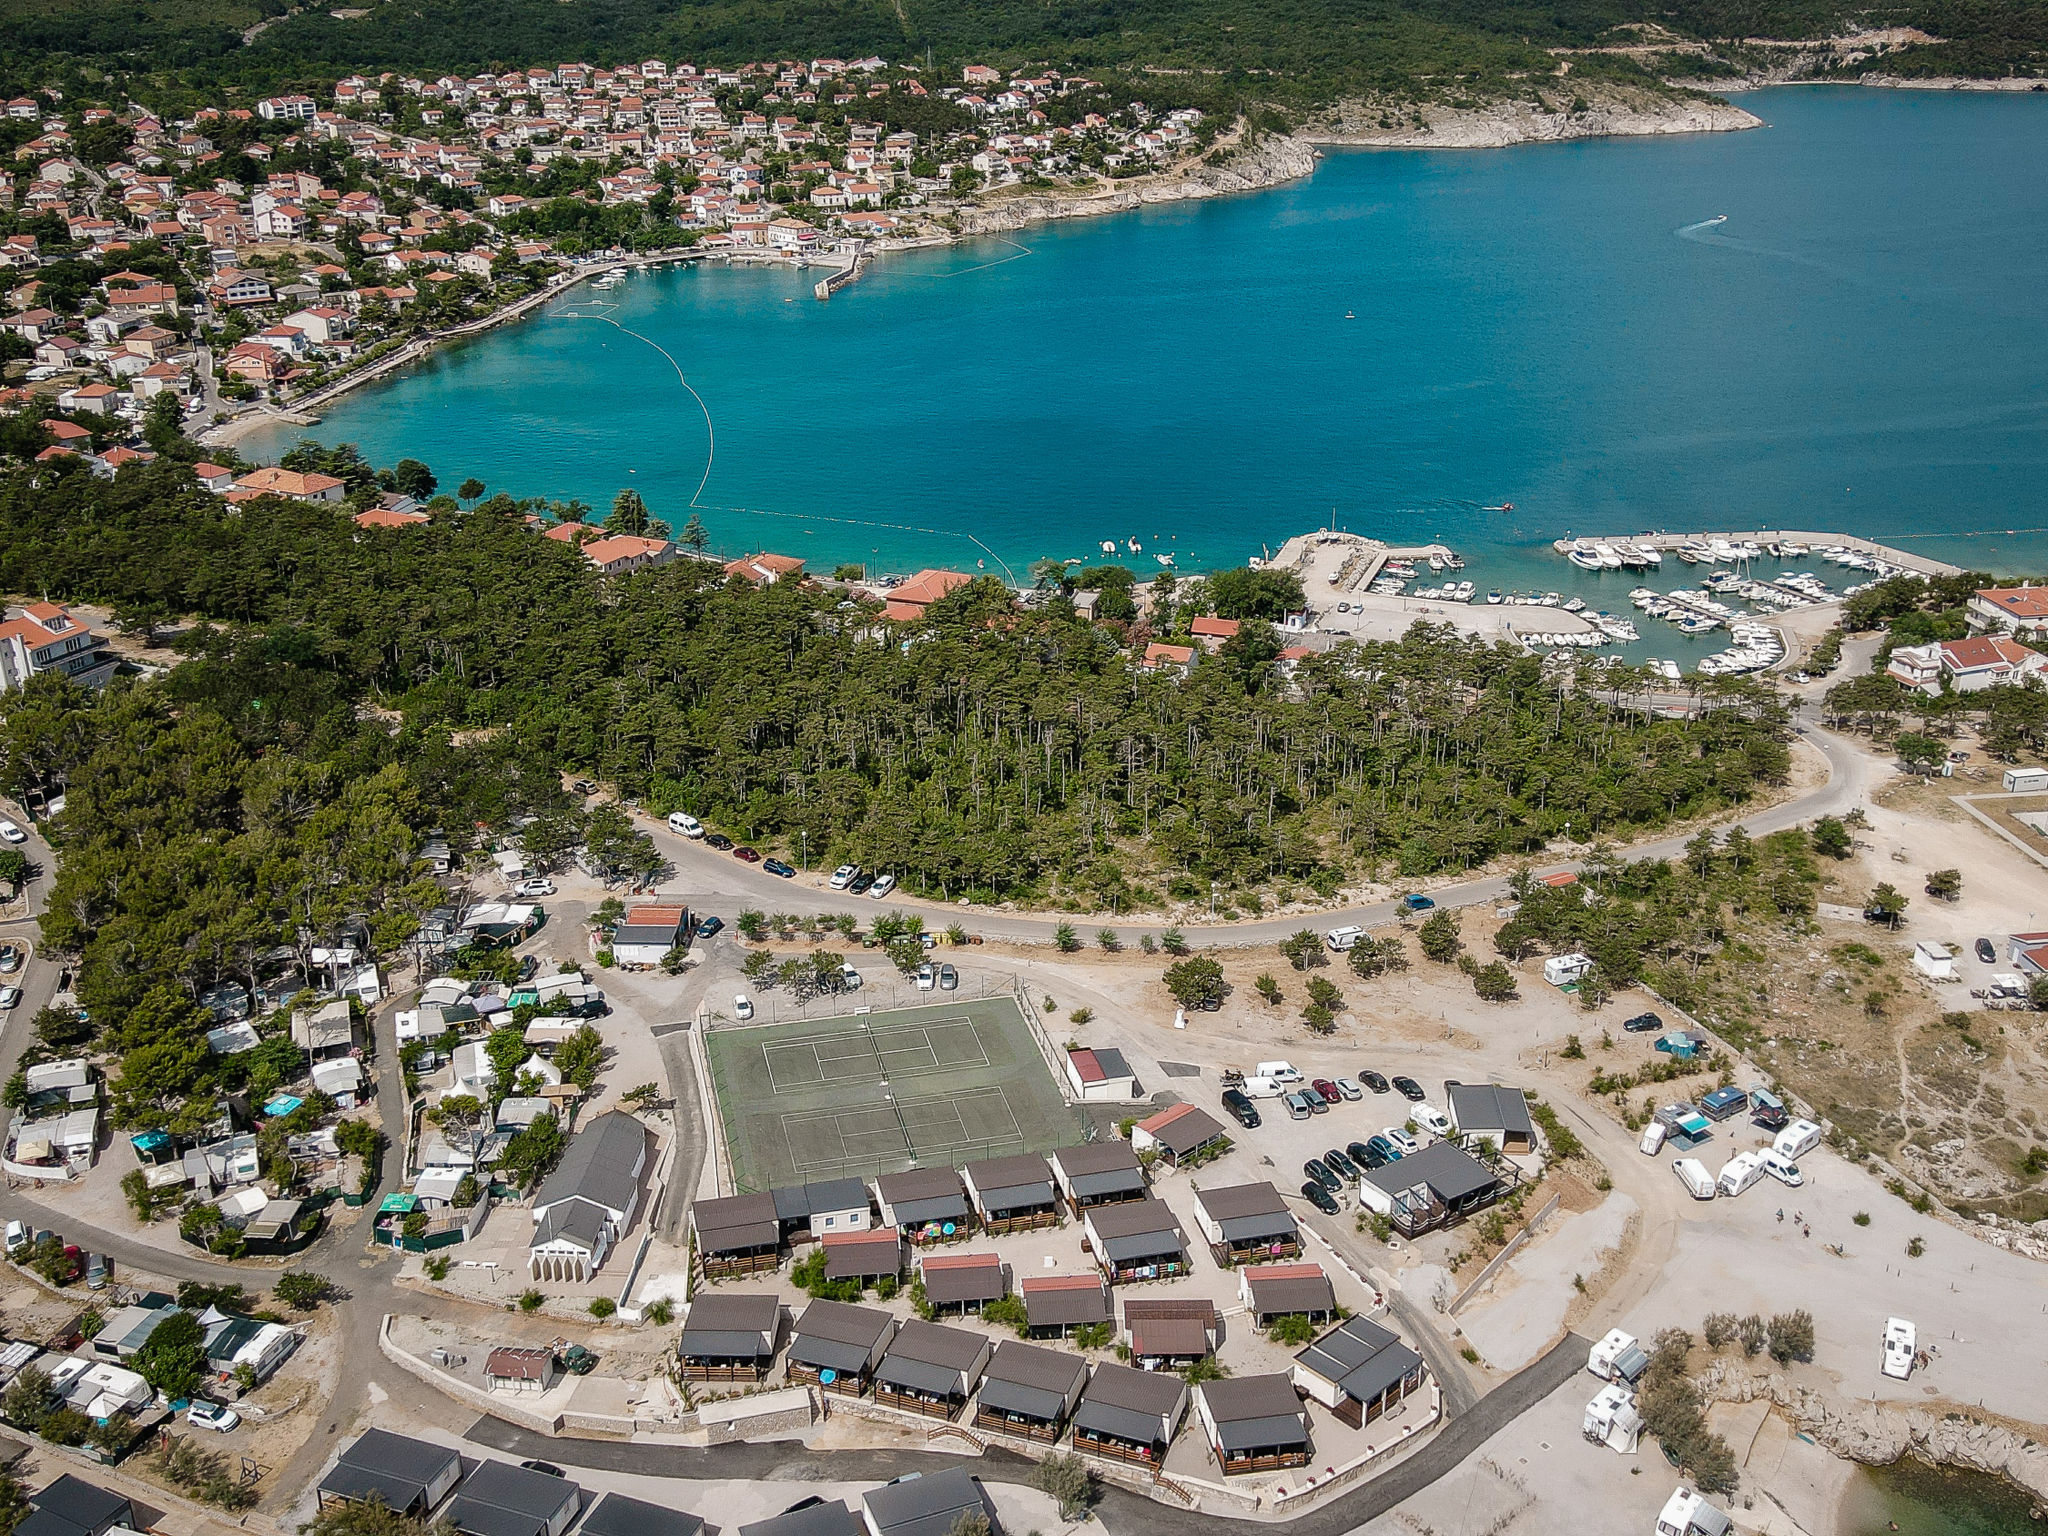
267	254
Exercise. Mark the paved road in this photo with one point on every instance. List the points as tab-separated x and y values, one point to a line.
716	882
1121	1511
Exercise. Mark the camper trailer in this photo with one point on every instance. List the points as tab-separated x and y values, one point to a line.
1797	1139
1653	1139
1611	1419
1900	1346
1738	1173
1692	1173
1617	1357
1344	938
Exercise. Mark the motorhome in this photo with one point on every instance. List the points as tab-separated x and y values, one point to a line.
1611	1419
1900	1346
1739	1173
1617	1357
1563	970
684	823
1341	939
1797	1139
1692	1173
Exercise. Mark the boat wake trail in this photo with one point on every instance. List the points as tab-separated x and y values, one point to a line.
710	435
1706	232
1693	231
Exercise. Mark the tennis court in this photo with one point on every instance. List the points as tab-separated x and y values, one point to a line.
877	1093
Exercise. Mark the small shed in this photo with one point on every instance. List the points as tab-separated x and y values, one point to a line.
1494	1111
510	1369
1101	1075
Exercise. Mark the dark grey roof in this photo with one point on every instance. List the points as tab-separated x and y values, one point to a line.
949	1283
830	1519
1097	1157
72	1505
618	1515
1241	1200
733	1312
501	1499
1254	1411
1146	1219
664	934
736	1222
935	1344
361	1484
1086	1186
1482	1107
1264	1225
800	1202
837	1336
1360	1357
577	1219
1111	1060
1291	1293
1183	1133
918	1184
1058	1306
1012	1183
921	1376
379	1450
927	1505
1451	1172
1023	1378
1129	1404
856	1254
1141	1245
600	1163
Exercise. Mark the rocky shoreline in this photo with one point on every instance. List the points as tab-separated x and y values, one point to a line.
1877	1435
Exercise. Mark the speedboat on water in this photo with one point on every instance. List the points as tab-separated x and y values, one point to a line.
1585	559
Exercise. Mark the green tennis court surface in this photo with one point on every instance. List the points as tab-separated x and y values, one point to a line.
877	1093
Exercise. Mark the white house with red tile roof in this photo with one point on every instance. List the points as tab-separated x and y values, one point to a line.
624	552
2016	610
388	517
215	478
44	637
1212	632
1161	657
764	568
1984	661
292	484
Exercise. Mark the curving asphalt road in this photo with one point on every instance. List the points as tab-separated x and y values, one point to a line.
710	880
1121	1510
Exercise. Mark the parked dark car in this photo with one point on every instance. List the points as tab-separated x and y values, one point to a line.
1318	1170
717	840
1986	951
1341	1165
1359	1153
1327	1089
1321	1198
1642	1023
1409	1089
861	885
1416	902
777	867
747	855
1241	1108
707	926
1373	1080
544	1466
1384	1149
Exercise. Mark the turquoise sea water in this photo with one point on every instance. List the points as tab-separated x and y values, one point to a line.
1862	345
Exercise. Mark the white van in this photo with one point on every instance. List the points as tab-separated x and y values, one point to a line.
1281	1072
1739	1173
1797	1139
1781	1168
1653	1139
1431	1119
1262	1088
1341	939
683	823
1692	1173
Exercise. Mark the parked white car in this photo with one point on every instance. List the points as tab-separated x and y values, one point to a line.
742	1006
927	978
205	1415
844	876
884	884
1404	1144
535	885
9	832
9	998
1350	1091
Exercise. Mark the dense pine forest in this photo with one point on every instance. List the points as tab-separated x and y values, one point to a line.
341	692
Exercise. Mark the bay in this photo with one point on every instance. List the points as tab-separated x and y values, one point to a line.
1397	343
